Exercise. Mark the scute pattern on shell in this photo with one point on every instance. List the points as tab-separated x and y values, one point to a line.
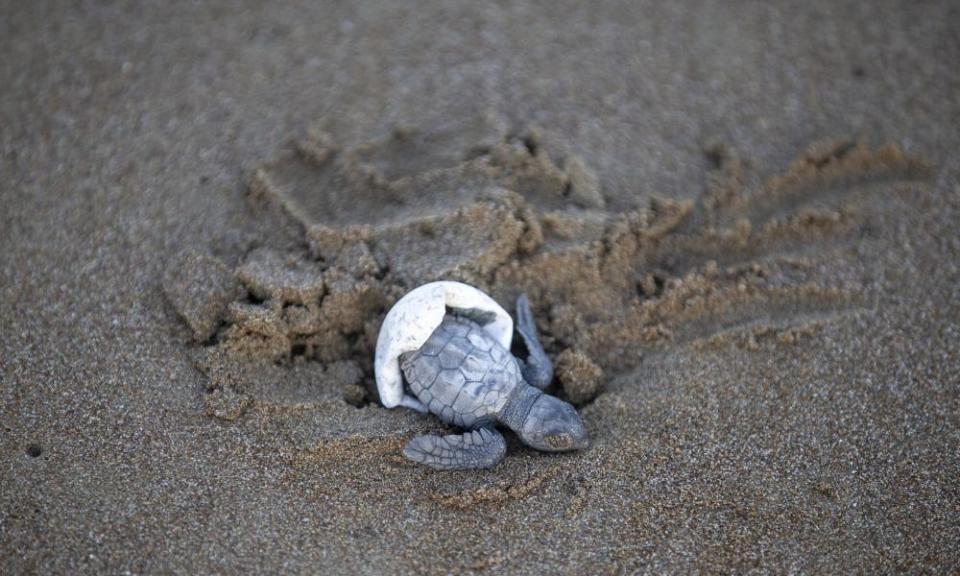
461	374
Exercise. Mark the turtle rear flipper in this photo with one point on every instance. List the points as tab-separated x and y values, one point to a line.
478	315
537	370
483	448
408	401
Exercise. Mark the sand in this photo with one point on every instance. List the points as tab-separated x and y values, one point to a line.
736	225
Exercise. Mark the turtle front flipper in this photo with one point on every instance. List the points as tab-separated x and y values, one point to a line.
537	370
482	448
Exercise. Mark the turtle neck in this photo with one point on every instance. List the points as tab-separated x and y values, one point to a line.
518	405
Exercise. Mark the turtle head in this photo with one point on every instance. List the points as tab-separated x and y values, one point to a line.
553	425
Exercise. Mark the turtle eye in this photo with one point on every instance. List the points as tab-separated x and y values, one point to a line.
559	441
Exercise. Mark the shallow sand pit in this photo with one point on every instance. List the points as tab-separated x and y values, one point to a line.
607	287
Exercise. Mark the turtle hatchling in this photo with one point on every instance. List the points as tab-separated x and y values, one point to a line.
444	348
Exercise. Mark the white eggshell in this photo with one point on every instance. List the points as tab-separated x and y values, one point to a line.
413	319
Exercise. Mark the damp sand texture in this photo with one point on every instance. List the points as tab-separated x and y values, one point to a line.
736	225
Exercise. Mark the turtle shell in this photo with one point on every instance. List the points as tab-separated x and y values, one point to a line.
411	321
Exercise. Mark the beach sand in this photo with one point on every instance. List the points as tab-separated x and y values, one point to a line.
736	223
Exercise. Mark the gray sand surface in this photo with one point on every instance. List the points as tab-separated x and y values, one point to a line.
783	401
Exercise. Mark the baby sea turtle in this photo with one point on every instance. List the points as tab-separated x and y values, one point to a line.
444	348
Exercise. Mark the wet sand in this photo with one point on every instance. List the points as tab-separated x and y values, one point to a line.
742	218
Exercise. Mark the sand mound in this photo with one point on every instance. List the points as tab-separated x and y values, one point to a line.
200	289
479	204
